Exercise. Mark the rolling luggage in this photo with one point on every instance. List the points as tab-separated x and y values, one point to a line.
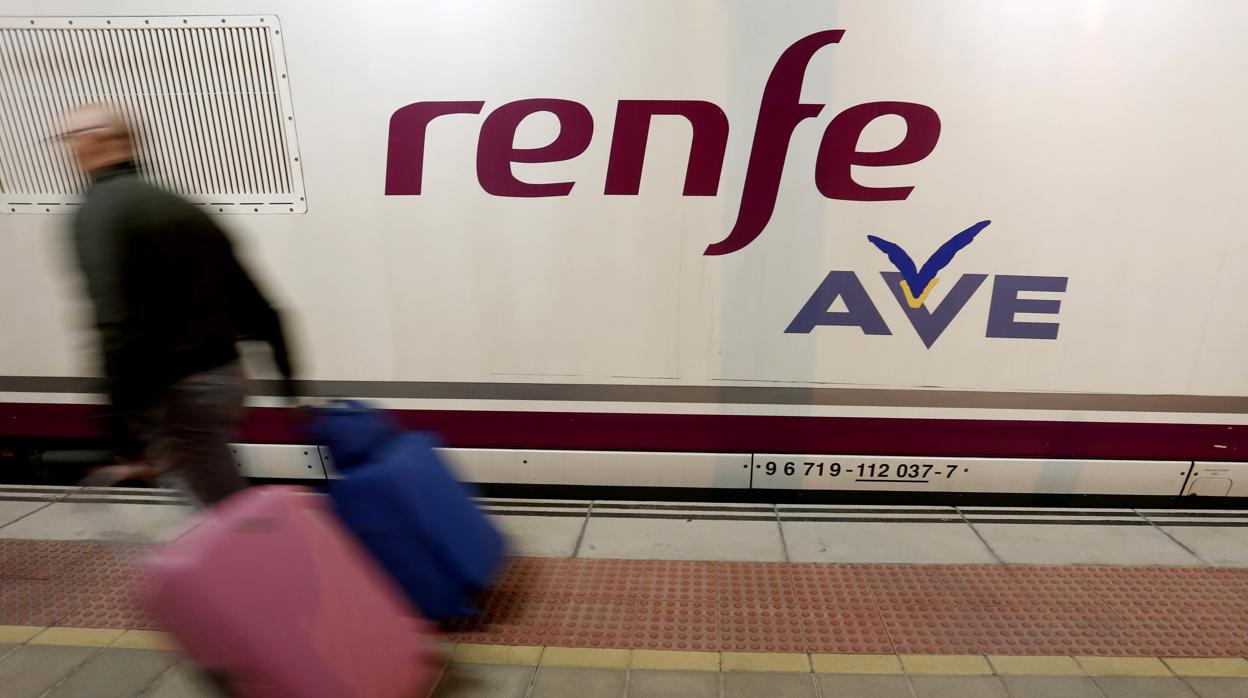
271	596
407	508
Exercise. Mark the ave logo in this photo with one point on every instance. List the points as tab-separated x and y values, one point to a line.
911	285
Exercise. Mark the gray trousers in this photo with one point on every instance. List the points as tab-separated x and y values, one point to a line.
190	429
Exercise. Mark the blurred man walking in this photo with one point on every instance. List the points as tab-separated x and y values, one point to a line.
171	300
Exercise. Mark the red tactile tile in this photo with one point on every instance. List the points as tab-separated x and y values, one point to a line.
513	620
38	559
778	607
932	629
675	625
754	579
847	631
1184	634
761	628
30	602
669	580
597	623
108	607
831	586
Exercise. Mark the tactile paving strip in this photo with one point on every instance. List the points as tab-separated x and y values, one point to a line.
748	607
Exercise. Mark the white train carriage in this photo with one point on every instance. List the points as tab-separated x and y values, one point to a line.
891	246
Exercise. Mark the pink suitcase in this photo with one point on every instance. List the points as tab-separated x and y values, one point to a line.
270	594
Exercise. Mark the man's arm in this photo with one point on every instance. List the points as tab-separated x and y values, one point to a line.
260	320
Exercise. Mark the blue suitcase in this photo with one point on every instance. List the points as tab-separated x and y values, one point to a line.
406	507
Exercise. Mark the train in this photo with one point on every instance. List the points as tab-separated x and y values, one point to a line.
864	249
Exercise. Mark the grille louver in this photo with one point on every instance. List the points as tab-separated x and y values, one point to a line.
209	96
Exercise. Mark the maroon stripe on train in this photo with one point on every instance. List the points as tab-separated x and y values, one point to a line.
745	433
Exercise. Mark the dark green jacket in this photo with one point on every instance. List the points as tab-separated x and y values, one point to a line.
170	297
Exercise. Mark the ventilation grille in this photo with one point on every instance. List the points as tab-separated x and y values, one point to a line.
208	96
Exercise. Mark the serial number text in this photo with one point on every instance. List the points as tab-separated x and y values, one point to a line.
862	472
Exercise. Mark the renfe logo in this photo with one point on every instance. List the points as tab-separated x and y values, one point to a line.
779	114
860	312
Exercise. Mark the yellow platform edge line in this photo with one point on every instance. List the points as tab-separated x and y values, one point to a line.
77	637
586	658
145	640
675	660
855	663
19	634
680	660
777	662
1015	665
1202	668
524	655
1145	667
946	664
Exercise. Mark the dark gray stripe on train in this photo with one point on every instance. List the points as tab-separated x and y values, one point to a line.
119	500
784	510
552	505
891	517
1063	522
1199	515
532	512
683	507
680	517
873	519
76	497
699	394
1045	512
1209	524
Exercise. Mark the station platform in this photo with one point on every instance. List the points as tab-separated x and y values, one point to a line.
668	599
